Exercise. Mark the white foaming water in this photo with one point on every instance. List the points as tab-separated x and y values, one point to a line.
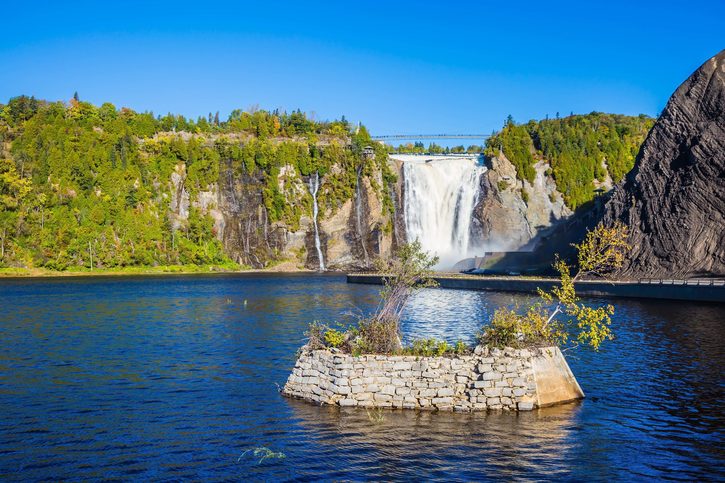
440	195
314	187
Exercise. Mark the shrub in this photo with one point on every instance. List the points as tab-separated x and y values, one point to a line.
407	271
602	251
334	338
433	347
525	195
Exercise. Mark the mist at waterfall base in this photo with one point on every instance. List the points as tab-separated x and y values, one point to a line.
440	194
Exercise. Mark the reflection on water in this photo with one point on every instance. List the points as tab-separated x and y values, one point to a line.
175	377
504	444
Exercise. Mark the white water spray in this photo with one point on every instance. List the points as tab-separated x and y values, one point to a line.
314	186
440	195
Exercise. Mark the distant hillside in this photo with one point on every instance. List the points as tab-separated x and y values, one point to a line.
82	184
585	152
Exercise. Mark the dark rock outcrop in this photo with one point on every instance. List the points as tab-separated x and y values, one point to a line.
674	198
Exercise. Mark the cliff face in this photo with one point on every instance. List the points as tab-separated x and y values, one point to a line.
674	198
511	212
351	236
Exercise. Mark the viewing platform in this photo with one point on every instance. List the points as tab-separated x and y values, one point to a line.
696	290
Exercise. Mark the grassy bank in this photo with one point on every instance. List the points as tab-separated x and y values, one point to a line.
8	272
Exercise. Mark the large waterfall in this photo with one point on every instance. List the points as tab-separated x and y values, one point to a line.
440	194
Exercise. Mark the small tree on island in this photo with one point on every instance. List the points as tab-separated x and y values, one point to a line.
602	251
407	271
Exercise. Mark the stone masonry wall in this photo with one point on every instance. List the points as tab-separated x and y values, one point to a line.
487	379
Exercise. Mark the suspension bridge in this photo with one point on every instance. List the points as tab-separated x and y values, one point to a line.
407	137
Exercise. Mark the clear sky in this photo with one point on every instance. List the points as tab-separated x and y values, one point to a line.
397	67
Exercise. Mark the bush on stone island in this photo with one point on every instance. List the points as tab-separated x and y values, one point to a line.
406	272
602	251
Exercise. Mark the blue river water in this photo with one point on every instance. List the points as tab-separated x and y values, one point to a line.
176	377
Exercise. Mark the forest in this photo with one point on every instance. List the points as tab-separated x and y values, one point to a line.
85	187
578	148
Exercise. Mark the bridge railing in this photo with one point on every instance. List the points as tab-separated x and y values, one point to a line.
692	281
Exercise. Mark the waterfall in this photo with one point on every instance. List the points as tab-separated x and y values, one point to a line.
314	186
439	197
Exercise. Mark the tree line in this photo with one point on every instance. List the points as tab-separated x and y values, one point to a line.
85	186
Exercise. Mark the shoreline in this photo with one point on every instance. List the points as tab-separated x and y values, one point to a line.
27	273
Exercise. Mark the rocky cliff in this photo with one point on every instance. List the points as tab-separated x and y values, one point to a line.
512	212
674	198
352	233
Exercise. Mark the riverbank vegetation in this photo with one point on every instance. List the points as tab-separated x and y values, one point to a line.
97	187
580	149
558	318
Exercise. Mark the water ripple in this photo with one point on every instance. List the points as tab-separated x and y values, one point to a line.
175	378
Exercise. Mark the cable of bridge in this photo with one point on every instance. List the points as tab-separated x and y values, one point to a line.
430	136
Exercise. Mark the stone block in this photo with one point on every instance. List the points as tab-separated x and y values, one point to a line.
493	401
402	390
445	391
441	401
382	397
481	384
347	402
491	376
518	382
373	388
428	393
526	405
519	391
389	389
402	366
484	368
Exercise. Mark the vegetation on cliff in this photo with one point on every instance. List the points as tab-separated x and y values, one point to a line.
579	149
83	186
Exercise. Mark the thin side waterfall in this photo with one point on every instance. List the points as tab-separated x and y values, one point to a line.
440	195
314	186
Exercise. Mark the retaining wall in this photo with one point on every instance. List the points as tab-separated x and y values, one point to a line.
512	379
701	290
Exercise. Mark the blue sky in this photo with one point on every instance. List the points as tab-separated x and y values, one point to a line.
395	66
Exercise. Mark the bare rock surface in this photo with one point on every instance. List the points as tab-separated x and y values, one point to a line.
674	198
505	219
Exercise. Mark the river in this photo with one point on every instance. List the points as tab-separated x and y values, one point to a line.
176	377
